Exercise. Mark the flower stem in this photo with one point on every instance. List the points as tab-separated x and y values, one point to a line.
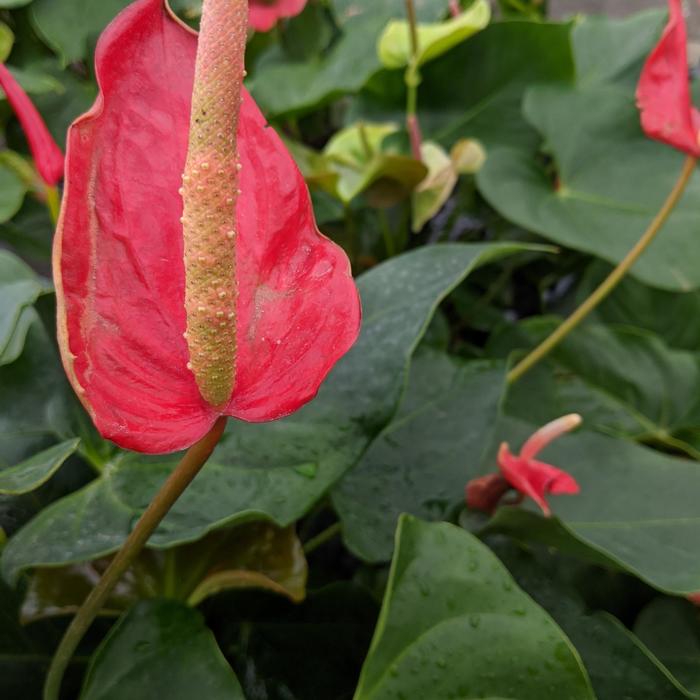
412	82
172	489
326	535
610	282
455	9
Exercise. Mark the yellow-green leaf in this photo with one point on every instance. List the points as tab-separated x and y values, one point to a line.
434	39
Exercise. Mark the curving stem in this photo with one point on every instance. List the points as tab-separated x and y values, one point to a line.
613	279
169	492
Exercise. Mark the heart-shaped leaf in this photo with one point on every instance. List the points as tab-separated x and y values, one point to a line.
454	622
160	648
36	470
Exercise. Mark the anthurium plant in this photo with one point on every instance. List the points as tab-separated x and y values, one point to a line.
348	349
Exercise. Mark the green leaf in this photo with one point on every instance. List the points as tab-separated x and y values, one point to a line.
254	473
623	380
285	88
254	555
395	50
36	470
635	304
357	157
12	191
423	459
618	663
7	38
671	629
454	624
12	4
160	648
633	502
614	50
68	26
608	176
475	90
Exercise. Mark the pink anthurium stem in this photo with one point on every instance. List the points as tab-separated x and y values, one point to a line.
175	485
455	9
613	279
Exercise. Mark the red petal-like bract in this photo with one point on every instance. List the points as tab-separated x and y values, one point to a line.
663	92
535	479
118	254
48	157
263	14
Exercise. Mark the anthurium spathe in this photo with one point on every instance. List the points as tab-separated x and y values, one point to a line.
48	157
528	476
663	92
264	14
191	279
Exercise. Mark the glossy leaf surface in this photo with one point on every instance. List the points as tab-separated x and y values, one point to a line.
452	615
160	647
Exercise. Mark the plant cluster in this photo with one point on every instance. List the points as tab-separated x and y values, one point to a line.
348	349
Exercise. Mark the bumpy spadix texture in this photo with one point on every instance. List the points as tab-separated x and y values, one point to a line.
210	193
119	254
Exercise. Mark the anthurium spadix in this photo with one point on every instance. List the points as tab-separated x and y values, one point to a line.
191	279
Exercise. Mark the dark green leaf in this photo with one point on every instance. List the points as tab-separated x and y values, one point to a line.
423	459
160	649
36	470
254	473
454	623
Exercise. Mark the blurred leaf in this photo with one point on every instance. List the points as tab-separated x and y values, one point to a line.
671	629
395	50
68	26
20	287
307	34
475	90
619	665
255	555
468	156
635	304
608	176
623	380
253	473
435	189
160	648
357	156
614	50
425	456
36	470
453	623
11	4
633	502
12	191
7	38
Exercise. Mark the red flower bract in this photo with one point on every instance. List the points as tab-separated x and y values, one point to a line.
528	476
663	93
264	14
118	254
48	157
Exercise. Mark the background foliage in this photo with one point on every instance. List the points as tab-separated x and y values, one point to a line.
330	555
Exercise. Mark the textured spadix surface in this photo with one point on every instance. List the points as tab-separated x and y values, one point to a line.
119	266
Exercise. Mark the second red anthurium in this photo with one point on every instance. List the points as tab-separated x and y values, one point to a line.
48	157
528	476
663	92
191	279
264	14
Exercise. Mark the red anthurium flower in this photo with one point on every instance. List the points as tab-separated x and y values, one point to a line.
265	13
663	93
48	157
524	473
191	279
